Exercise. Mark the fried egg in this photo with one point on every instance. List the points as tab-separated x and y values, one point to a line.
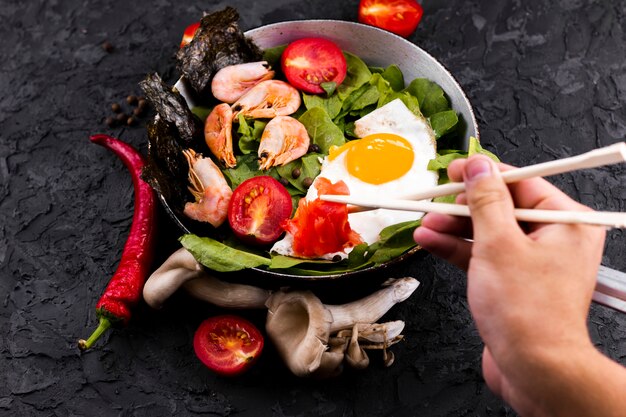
388	161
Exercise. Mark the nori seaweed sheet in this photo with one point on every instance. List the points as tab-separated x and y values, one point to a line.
166	168
218	42
173	109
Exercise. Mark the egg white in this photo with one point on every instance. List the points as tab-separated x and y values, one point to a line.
395	118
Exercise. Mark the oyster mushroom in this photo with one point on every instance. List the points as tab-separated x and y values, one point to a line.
302	328
182	270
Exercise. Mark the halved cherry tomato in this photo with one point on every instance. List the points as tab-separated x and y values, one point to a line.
189	32
309	62
257	208
320	227
398	16
228	345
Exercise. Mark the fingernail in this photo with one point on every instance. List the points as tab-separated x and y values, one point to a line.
477	168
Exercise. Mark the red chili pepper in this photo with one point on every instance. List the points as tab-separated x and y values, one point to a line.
126	285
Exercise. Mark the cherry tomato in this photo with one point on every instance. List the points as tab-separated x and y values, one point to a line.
257	208
228	345
309	62
189	32
398	16
320	227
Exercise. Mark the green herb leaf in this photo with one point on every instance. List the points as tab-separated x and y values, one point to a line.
220	257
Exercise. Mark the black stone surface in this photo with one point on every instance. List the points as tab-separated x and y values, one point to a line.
547	79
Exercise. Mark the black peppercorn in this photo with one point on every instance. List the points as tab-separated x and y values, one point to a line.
110	121
314	148
121	117
131	99
130	121
137	111
116	107
107	46
283	181
295	173
307	182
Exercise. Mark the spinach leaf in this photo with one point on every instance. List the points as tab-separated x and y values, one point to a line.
329	87
394	241
357	74
309	166
443	122
359	99
321	129
429	95
331	104
272	56
247	167
441	162
220	257
410	101
394	76
476	148
202	112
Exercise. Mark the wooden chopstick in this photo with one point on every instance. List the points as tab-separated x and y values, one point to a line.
596	218
608	155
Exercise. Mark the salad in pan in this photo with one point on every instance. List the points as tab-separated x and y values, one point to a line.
261	134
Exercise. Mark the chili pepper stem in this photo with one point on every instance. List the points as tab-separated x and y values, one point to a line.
103	326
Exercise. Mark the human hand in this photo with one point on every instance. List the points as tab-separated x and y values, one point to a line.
529	287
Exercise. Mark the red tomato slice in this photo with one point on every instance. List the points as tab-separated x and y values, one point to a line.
228	345
309	62
257	208
320	227
398	16
189	32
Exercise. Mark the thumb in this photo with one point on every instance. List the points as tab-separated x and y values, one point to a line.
488	198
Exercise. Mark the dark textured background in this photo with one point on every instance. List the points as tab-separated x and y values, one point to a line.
547	79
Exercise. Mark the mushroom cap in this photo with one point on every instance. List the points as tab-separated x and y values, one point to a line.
299	325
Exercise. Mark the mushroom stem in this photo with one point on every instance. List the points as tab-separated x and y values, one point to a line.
182	270
372	307
225	294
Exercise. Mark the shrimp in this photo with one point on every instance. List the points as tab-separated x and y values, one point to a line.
284	140
218	134
233	81
209	188
268	99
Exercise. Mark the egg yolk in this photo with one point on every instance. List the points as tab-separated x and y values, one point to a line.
377	158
